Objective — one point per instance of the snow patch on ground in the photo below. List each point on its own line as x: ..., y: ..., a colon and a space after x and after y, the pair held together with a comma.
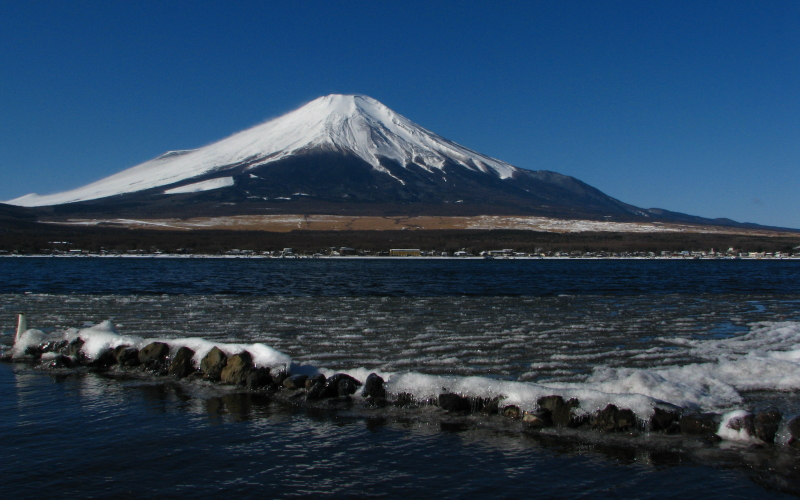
x: 333, y: 222
x: 197, y: 187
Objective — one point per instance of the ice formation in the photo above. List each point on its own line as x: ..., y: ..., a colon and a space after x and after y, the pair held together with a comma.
x: 766, y: 358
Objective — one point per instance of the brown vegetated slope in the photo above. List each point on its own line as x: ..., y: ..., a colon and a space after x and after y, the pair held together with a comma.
x: 315, y: 222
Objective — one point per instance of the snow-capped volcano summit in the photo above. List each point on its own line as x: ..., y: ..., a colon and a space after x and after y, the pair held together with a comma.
x: 353, y: 124
x: 337, y: 154
x: 366, y: 128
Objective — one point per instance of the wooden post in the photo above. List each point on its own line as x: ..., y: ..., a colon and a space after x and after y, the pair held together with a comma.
x: 22, y: 326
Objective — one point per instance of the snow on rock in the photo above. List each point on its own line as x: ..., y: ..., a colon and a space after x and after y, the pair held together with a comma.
x: 522, y: 394
x: 356, y: 124
x: 28, y: 338
x: 103, y: 337
x: 766, y: 358
x: 208, y: 185
x: 733, y: 427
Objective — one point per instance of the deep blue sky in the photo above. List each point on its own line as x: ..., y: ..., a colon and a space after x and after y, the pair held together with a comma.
x: 689, y: 106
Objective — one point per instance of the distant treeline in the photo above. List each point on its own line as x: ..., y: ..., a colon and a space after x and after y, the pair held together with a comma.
x: 43, y: 238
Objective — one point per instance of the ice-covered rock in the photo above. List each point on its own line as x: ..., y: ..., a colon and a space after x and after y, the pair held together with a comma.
x: 738, y: 425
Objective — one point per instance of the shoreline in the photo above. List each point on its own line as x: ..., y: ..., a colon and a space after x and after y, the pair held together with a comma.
x: 375, y: 257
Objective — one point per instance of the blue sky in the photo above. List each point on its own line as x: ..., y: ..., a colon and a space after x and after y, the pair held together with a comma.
x: 689, y: 106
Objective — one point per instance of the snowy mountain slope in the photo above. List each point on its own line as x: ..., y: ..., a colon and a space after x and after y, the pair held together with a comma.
x: 354, y: 125
x: 337, y: 155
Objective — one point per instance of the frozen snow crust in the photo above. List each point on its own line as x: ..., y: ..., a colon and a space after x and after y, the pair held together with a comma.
x: 356, y: 124
x: 700, y: 398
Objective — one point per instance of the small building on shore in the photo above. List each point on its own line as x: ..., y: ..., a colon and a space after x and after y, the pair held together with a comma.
x: 405, y: 252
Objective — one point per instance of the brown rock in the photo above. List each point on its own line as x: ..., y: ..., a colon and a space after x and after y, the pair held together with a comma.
x: 237, y: 369
x: 56, y: 346
x: 794, y: 432
x: 512, y: 411
x: 60, y: 361
x: 534, y: 421
x: 746, y: 422
x: 612, y: 419
x: 491, y: 406
x: 699, y: 423
x: 278, y: 377
x: 561, y: 411
x: 665, y: 421
x: 74, y: 347
x: 373, y: 387
x: 127, y: 356
x: 213, y: 363
x: 258, y: 378
x: 154, y: 356
x: 453, y: 402
x: 337, y: 385
x: 315, y: 380
x: 102, y: 362
x: 766, y: 424
x: 295, y: 382
x: 182, y: 365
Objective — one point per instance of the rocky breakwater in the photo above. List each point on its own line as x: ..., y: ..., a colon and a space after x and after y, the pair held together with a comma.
x: 258, y: 368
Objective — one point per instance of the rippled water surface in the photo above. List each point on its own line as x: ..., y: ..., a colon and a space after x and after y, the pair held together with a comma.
x: 86, y: 435
x: 515, y: 338
x: 396, y: 277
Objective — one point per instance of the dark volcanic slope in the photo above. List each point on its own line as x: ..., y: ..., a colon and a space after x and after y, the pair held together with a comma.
x: 12, y: 217
x: 336, y: 183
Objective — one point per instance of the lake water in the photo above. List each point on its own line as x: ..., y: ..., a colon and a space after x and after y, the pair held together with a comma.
x: 712, y: 335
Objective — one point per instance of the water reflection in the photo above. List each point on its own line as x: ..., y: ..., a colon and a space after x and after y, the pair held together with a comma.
x: 239, y: 407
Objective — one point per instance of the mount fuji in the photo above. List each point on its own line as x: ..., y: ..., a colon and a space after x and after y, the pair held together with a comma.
x: 339, y: 154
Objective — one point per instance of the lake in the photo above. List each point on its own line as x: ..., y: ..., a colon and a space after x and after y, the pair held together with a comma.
x: 710, y: 335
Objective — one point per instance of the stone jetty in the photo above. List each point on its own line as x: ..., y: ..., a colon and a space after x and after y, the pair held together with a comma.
x: 157, y: 359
